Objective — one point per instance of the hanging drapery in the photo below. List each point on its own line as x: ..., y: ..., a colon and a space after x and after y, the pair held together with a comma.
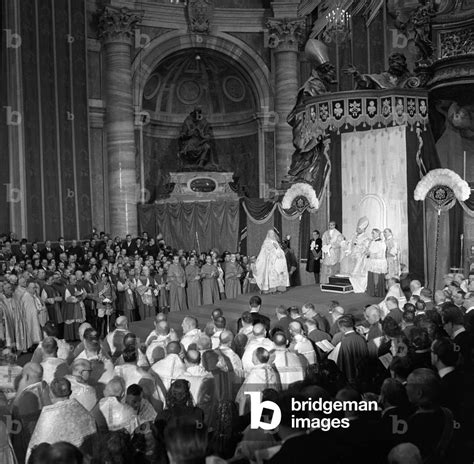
x: 468, y: 205
x: 233, y: 226
x: 215, y: 223
x: 364, y: 119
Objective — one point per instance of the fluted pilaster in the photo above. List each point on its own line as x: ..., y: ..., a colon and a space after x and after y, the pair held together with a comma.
x: 285, y: 36
x: 116, y: 29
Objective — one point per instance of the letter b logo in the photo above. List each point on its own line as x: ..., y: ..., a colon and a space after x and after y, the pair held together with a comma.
x: 256, y: 409
x: 399, y: 426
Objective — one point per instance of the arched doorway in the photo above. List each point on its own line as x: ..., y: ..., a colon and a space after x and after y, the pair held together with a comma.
x: 228, y: 80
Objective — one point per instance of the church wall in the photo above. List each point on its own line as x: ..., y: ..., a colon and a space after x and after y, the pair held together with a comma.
x: 4, y: 130
x: 53, y: 144
x: 257, y: 42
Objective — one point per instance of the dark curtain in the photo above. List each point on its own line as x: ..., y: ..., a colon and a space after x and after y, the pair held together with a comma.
x: 146, y: 219
x: 456, y: 229
x: 277, y: 223
x: 305, y: 234
x: 243, y: 229
x: 416, y: 221
x: 194, y: 225
x: 470, y: 201
x: 258, y: 208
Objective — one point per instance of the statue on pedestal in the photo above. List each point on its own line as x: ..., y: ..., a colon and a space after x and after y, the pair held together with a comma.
x: 195, y: 143
x: 309, y: 163
x: 397, y: 75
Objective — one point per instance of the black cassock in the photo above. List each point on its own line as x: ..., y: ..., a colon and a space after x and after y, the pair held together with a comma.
x: 353, y: 350
x: 313, y: 262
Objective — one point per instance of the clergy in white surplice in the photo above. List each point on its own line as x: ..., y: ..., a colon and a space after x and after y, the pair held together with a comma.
x: 330, y: 263
x: 358, y: 256
x: 392, y: 254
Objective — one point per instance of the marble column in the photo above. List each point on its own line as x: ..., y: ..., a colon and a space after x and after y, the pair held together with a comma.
x: 116, y: 30
x: 285, y: 36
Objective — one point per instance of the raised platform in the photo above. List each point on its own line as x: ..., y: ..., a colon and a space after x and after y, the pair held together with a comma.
x: 192, y: 186
x: 233, y: 309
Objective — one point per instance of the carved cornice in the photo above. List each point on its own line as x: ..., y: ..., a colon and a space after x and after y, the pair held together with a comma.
x: 173, y: 16
x: 118, y: 24
x: 286, y: 33
x: 455, y: 70
x: 451, y: 12
x: 455, y: 43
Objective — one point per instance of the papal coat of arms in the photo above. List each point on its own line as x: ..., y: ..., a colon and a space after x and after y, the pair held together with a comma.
x: 200, y: 13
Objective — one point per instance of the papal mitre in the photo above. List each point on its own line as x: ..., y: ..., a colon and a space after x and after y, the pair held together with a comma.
x: 363, y: 223
x: 316, y: 51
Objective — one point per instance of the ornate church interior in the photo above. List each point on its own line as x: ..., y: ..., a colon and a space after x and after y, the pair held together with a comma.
x: 170, y: 156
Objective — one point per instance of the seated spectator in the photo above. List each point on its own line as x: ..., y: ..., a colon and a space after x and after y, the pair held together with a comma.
x: 65, y: 350
x: 309, y: 311
x: 300, y: 344
x: 261, y: 376
x: 81, y: 391
x: 201, y: 382
x: 53, y: 367
x: 405, y: 453
x: 116, y: 447
x: 287, y: 364
x: 57, y: 453
x: 220, y: 325
x: 170, y: 367
x: 185, y: 441
x: 65, y: 420
x: 142, y: 407
x: 430, y: 428
x: 153, y: 388
x: 191, y: 333
x: 179, y: 405
x: 453, y: 324
x: 282, y: 322
x: 32, y: 395
x: 110, y: 413
x: 114, y: 339
x: 259, y: 340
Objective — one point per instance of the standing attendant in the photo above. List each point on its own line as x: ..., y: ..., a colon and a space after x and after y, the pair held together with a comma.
x: 376, y: 265
x: 313, y: 263
x: 177, y: 283
x: 74, y: 310
x: 162, y: 299
x: 105, y: 298
x: 392, y: 254
x: 146, y: 291
x: 233, y: 272
x: 331, y: 248
x: 125, y: 297
x: 210, y: 289
x: 193, y: 279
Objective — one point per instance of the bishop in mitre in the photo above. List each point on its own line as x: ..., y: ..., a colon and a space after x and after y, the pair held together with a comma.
x: 358, y: 256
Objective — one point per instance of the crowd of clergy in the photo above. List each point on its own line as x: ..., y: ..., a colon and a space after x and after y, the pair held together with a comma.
x: 181, y: 395
x: 99, y: 278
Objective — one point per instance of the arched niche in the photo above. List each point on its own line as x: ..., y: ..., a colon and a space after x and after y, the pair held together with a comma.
x: 238, y: 105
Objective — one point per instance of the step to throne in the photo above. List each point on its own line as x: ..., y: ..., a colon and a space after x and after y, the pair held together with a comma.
x: 338, y: 284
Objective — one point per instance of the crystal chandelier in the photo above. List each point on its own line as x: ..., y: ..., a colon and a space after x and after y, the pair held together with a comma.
x: 338, y: 24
